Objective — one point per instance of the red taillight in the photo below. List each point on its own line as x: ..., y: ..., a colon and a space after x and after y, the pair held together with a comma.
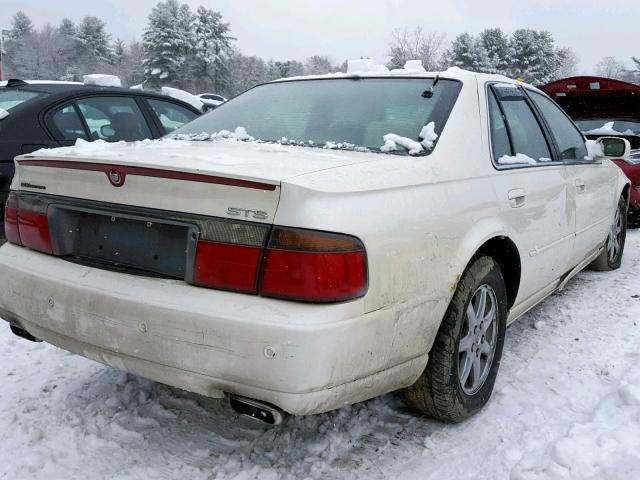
x: 295, y: 264
x: 11, y: 231
x: 26, y: 222
x: 228, y: 267
x: 34, y: 230
x: 313, y: 266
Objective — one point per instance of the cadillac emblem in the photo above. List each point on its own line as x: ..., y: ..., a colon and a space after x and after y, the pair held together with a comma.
x: 116, y: 178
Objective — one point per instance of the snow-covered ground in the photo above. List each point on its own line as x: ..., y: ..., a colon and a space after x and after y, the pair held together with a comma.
x: 566, y: 405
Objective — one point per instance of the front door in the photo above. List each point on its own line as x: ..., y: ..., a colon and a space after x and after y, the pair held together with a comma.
x: 590, y: 181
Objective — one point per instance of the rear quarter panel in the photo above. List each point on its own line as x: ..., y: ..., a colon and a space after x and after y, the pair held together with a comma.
x: 421, y: 218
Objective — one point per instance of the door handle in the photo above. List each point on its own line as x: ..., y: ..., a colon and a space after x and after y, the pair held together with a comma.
x: 580, y: 186
x: 517, y: 196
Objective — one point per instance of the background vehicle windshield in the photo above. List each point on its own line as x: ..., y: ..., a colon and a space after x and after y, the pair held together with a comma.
x: 619, y: 126
x: 358, y: 112
x: 10, y: 97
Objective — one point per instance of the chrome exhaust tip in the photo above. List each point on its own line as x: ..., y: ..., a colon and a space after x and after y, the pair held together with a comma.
x: 257, y: 410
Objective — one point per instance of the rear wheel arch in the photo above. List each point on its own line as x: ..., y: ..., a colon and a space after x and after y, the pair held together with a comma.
x: 626, y: 191
x: 504, y: 251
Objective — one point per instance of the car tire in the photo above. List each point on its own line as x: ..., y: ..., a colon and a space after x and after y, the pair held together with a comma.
x: 441, y: 391
x: 611, y: 256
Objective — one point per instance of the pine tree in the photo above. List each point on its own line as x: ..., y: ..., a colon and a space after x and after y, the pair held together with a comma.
x: 95, y: 41
x: 67, y: 28
x: 468, y: 52
x: 496, y: 44
x: 212, y: 50
x: 70, y: 49
x: 534, y: 56
x: 168, y: 43
x: 21, y: 26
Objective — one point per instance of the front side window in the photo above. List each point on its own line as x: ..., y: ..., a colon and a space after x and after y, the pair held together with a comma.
x: 171, y: 116
x: 527, y: 143
x: 569, y: 140
x: 66, y: 124
x: 358, y: 112
x: 114, y: 119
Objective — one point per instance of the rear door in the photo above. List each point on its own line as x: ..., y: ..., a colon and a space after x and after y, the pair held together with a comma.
x: 110, y: 118
x: 532, y: 188
x: 590, y: 181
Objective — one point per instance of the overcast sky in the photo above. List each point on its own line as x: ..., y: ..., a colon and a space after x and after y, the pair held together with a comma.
x: 354, y: 28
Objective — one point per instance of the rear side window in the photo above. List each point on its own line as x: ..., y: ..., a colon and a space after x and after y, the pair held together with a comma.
x: 171, y: 116
x: 67, y: 124
x: 114, y: 119
x: 527, y: 143
x: 10, y: 97
x: 570, y: 141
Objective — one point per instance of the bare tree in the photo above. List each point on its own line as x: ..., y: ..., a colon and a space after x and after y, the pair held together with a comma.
x: 567, y: 63
x: 415, y: 44
x: 610, y: 67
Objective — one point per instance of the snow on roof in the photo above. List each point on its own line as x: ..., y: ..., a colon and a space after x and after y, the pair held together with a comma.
x: 102, y: 80
x: 3, y: 113
x: 184, y: 96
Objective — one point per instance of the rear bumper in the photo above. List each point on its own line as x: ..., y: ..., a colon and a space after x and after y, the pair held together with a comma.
x: 302, y: 358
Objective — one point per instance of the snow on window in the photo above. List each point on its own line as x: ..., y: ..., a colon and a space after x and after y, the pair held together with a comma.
x: 518, y: 159
x: 137, y: 87
x: 102, y: 80
x: 3, y: 113
x: 428, y: 135
x: 391, y: 142
x: 241, y: 134
x: 184, y: 96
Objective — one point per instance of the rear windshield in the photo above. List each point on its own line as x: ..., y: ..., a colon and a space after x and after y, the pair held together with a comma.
x: 347, y: 111
x: 623, y: 127
x: 10, y: 97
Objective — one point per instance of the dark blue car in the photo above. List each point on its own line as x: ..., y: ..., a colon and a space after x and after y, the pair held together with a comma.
x: 35, y: 115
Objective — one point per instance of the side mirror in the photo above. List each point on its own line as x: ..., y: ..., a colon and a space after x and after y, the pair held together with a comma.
x: 107, y: 131
x: 615, y: 147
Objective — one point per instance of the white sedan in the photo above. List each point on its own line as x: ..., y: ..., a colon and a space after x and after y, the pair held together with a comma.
x: 380, y: 235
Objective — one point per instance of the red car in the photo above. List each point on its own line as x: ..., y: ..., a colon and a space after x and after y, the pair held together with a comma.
x: 606, y: 107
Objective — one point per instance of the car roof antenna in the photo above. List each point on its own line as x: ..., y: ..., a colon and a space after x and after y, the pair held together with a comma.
x: 428, y: 93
